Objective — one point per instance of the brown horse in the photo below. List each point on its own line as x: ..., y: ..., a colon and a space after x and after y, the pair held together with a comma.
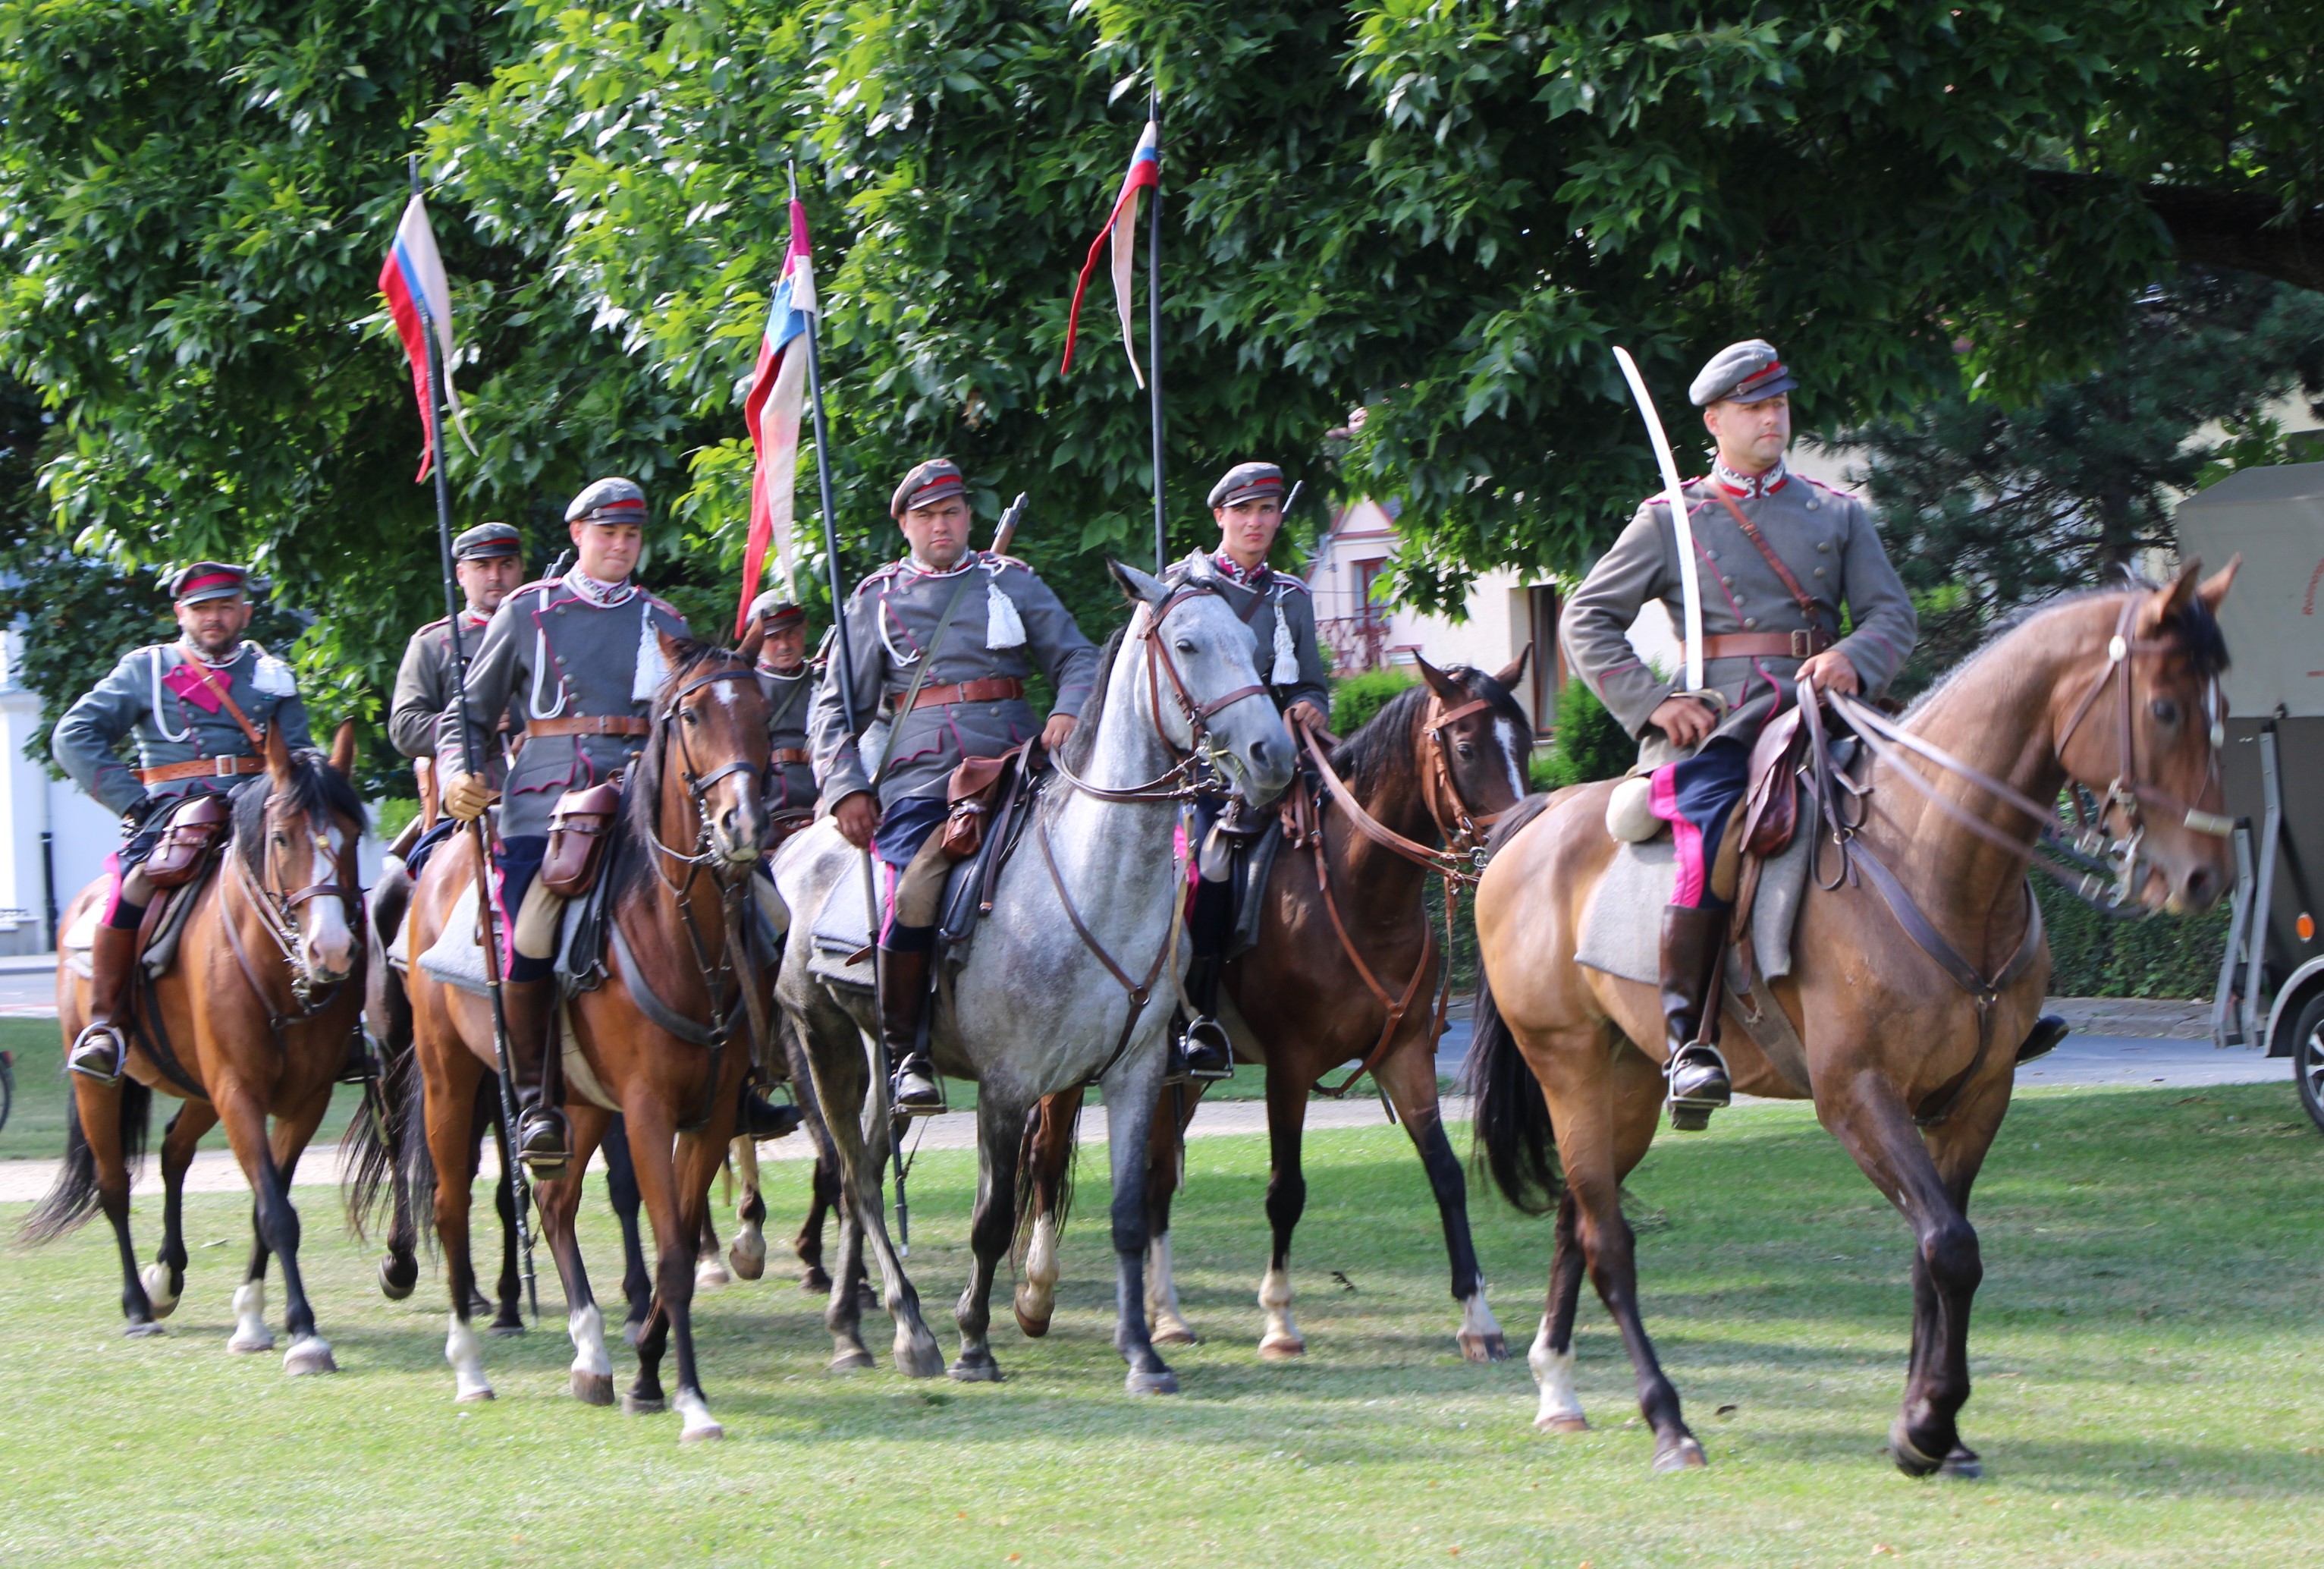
x: 679, y: 868
x: 253, y: 1020
x: 1345, y: 969
x: 1909, y: 1067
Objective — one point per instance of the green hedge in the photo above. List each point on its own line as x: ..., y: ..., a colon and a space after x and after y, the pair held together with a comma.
x: 2162, y: 956
x: 1356, y: 698
x: 1587, y: 744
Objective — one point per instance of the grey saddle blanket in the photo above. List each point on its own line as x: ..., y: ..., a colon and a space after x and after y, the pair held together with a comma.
x: 841, y: 931
x: 162, y: 951
x: 457, y: 959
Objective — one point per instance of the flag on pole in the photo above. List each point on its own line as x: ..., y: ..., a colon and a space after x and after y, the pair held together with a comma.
x: 419, y: 296
x: 772, y: 412
x: 1122, y: 224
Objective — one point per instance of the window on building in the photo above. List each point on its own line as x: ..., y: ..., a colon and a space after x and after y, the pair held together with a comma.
x: 1548, y: 659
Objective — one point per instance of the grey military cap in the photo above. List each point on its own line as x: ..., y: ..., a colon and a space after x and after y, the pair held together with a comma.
x: 1743, y: 373
x: 777, y: 609
x: 927, y: 484
x: 211, y: 580
x: 1248, y: 482
x: 487, y: 541
x: 609, y: 501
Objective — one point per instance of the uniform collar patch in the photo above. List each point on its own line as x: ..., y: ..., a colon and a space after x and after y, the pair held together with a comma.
x: 918, y: 568
x: 1233, y: 571
x: 604, y: 595
x: 1751, y: 486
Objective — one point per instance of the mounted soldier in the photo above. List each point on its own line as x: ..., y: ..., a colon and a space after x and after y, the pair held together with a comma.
x: 949, y: 634
x: 1779, y: 557
x: 1248, y: 505
x: 200, y: 709
x: 788, y: 681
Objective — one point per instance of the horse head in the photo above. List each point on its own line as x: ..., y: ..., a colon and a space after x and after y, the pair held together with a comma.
x: 299, y: 845
x: 710, y: 753
x: 1473, y: 742
x: 1204, y: 687
x: 2146, y: 736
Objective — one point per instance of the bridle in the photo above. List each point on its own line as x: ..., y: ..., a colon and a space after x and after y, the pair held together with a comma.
x: 277, y: 915
x: 698, y: 785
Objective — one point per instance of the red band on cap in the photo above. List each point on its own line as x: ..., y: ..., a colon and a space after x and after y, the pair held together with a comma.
x: 1756, y: 378
x: 210, y: 580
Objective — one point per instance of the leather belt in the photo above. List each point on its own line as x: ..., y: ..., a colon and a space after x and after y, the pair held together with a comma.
x: 791, y: 754
x: 996, y: 689
x: 1766, y: 645
x: 589, y: 725
x: 200, y: 768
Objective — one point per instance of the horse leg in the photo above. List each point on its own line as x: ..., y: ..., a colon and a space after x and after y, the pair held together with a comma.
x: 164, y: 1279
x: 276, y: 1222
x: 592, y: 1373
x: 99, y: 1107
x: 1165, y: 1154
x: 449, y: 1120
x: 748, y: 1256
x: 399, y: 1268
x: 699, y: 1158
x: 509, y: 1317
x: 709, y: 1270
x: 1286, y: 1198
x: 1551, y: 1360
x: 1132, y: 1085
x: 1000, y: 1140
x: 808, y: 1244
x: 1408, y: 1076
x: 622, y: 1189
x: 1050, y: 1146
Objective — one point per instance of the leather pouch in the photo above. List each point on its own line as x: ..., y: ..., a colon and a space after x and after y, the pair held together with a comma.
x: 185, y: 845
x: 577, y: 831
x: 971, y: 791
x: 1772, y: 814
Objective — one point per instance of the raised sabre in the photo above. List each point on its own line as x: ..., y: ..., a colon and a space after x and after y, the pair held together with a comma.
x: 1674, y: 495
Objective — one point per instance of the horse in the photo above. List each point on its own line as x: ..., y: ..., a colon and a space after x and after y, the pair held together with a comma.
x: 1342, y: 927
x: 679, y: 961
x: 1058, y: 988
x: 1905, y: 978
x: 253, y: 1020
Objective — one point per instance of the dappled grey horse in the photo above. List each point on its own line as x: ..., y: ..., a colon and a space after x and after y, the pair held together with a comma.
x: 1072, y: 976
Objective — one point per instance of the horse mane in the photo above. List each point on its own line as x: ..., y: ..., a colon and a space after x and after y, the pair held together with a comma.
x: 1083, y: 740
x: 315, y: 788
x: 2194, y: 631
x: 641, y: 789
x: 1382, y: 744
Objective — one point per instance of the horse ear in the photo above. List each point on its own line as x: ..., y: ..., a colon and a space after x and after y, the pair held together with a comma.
x: 2215, y: 588
x: 2165, y: 605
x: 1443, y: 685
x: 342, y: 748
x: 278, y: 756
x: 1138, y: 585
x: 1510, y: 674
x: 673, y: 650
x: 747, y: 650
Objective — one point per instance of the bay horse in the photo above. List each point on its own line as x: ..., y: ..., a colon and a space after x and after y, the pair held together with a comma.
x: 1071, y: 975
x: 252, y: 1020
x: 1346, y: 969
x: 1913, y: 983
x: 678, y: 866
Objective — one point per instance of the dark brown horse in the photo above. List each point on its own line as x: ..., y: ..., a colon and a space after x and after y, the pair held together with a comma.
x: 1346, y: 969
x: 1914, y: 981
x: 679, y: 869
x: 252, y: 1020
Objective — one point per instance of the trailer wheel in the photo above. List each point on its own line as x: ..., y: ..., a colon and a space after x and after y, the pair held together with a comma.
x: 2307, y: 1057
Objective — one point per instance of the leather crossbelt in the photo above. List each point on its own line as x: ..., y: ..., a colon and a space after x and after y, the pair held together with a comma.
x: 997, y: 689
x: 589, y: 725
x: 789, y: 755
x: 200, y: 768
x: 1766, y: 645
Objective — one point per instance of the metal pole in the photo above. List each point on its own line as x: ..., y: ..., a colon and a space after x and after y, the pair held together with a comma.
x: 519, y: 1189
x: 1154, y: 336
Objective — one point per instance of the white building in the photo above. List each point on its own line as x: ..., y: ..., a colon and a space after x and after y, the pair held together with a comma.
x: 53, y: 839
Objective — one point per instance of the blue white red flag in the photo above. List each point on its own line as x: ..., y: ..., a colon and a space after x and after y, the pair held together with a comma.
x: 1121, y: 227
x: 772, y: 412
x: 419, y: 297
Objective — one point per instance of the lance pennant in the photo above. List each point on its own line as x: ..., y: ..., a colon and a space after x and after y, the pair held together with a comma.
x: 772, y: 412
x: 1122, y: 228
x: 419, y: 297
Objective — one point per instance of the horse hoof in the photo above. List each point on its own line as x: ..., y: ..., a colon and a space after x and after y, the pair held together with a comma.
x: 643, y: 1405
x: 976, y: 1367
x: 631, y: 1330
x: 702, y: 1432
x: 1484, y: 1348
x: 1282, y: 1348
x: 505, y: 1330
x: 747, y: 1265
x: 310, y: 1355
x: 249, y: 1345
x: 1164, y: 1382
x: 397, y: 1277
x: 1910, y: 1458
x: 1175, y: 1333
x: 1685, y: 1455
x: 472, y: 1396
x: 710, y: 1274
x: 1962, y: 1465
x: 1564, y: 1423
x: 851, y: 1359
x: 156, y: 1279
x: 144, y: 1329
x: 918, y: 1356
x: 1031, y: 1328
x: 817, y: 1281
x: 696, y: 1425
x: 593, y: 1388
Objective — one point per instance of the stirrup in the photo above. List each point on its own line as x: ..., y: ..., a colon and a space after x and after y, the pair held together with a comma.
x: 544, y: 1165
x: 1206, y: 1037
x: 925, y: 1099
x: 1690, y: 1112
x: 82, y: 1059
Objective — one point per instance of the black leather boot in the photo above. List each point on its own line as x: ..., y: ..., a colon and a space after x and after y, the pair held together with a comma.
x: 760, y: 1118
x: 903, y: 1009
x: 1205, y: 1049
x: 102, y: 1048
x: 542, y: 1140
x: 2043, y: 1039
x: 1691, y: 946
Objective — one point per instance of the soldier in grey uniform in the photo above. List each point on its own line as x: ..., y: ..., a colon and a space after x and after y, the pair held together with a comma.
x: 578, y: 659
x: 1778, y: 556
x: 1004, y: 624
x: 1248, y: 505
x: 489, y: 560
x: 200, y: 708
x: 788, y: 681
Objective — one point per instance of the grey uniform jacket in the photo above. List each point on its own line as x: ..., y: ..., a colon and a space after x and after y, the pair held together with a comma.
x: 1266, y: 599
x: 549, y: 653
x: 789, y: 698
x: 423, y: 689
x: 1826, y: 540
x: 155, y: 694
x: 1009, y: 624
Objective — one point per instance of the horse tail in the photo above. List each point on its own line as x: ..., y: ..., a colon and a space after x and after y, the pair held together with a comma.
x: 412, y: 1150
x: 69, y: 1204
x: 374, y: 1142
x: 1029, y: 1184
x: 1513, y: 1141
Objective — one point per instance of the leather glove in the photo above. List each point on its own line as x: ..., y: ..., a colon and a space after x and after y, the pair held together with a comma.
x: 466, y: 797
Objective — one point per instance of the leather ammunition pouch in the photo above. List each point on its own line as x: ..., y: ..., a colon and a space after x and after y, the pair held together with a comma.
x: 195, y: 829
x: 974, y: 786
x: 1771, y: 812
x: 577, y: 831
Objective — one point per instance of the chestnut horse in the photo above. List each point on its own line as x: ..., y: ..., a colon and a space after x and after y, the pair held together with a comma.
x: 1910, y: 1068
x: 253, y: 1020
x: 1346, y: 969
x: 679, y: 865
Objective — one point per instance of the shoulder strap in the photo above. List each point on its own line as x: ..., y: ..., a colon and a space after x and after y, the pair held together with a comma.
x: 1800, y: 596
x: 224, y: 691
x: 919, y: 676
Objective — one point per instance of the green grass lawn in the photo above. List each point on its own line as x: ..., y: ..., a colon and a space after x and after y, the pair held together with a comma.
x: 2150, y: 1387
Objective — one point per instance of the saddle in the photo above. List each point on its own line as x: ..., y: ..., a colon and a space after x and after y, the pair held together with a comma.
x: 183, y: 861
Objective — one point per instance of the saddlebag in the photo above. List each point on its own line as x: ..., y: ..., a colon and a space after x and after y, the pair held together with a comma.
x: 577, y: 831
x: 973, y: 787
x: 195, y: 829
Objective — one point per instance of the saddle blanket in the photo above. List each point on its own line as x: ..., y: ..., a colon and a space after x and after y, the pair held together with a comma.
x: 1621, y: 929
x: 162, y: 949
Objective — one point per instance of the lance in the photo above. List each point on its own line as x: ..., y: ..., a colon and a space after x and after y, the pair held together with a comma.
x: 1675, y: 496
x: 1153, y: 333
x: 519, y: 1189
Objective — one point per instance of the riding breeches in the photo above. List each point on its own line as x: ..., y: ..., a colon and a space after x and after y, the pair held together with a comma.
x: 530, y: 915
x: 914, y: 864
x: 1696, y: 796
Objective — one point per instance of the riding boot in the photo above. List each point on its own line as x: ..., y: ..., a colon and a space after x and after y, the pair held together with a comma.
x: 903, y: 1012
x: 2043, y: 1038
x: 358, y: 1066
x: 102, y: 1050
x: 1205, y: 1049
x: 760, y: 1118
x: 541, y: 1140
x: 1698, y: 1078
